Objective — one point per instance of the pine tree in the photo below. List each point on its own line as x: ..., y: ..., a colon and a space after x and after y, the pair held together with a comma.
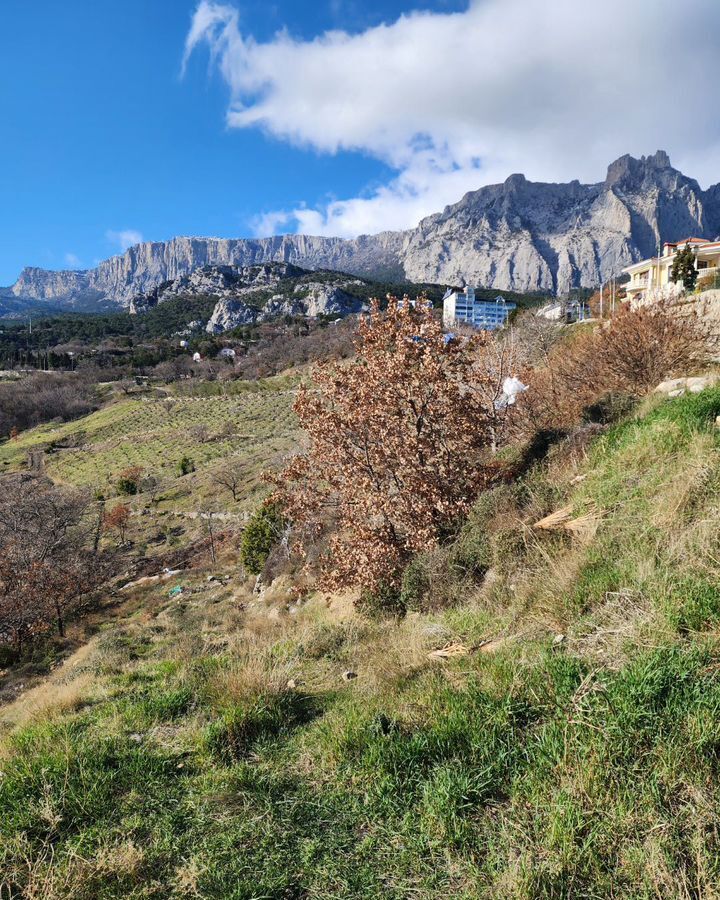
x: 683, y: 268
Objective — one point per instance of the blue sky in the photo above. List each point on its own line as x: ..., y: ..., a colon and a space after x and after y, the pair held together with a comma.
x: 99, y: 134
x: 333, y: 116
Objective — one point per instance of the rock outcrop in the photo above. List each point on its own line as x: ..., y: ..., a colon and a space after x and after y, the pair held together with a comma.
x: 526, y: 236
x: 250, y: 294
x: 326, y: 300
x: 519, y: 235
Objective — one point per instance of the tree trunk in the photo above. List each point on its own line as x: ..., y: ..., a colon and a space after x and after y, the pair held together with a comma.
x: 98, y: 529
x: 60, y: 622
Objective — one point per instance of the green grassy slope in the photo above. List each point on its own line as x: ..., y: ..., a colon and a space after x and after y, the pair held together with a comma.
x: 251, y: 427
x: 175, y: 760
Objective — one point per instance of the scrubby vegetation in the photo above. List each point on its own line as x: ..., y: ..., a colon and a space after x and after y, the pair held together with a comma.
x: 42, y: 398
x: 517, y: 767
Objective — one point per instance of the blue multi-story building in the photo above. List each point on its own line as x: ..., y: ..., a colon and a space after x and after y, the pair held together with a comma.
x: 463, y: 308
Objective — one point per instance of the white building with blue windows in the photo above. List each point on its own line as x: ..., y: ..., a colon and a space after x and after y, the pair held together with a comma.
x: 463, y: 308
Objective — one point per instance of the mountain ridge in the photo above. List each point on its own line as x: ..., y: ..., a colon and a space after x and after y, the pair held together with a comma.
x: 517, y: 235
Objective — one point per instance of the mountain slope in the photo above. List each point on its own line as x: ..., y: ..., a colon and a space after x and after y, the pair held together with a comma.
x: 207, y: 744
x: 519, y: 236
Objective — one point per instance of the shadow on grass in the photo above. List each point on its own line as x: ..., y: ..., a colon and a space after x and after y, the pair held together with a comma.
x: 268, y: 717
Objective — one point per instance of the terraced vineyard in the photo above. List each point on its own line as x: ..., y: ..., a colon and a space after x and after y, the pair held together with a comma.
x: 254, y: 429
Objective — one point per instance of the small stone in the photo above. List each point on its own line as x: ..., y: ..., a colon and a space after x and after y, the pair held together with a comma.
x: 137, y: 738
x: 292, y: 684
x: 558, y: 639
x: 349, y: 675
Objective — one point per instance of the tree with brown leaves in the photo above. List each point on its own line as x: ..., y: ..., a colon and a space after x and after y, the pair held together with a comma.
x: 399, y: 446
x: 117, y: 519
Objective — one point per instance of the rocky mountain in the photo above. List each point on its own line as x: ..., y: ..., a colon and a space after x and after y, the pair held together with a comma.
x: 527, y: 236
x: 518, y: 235
x: 251, y: 294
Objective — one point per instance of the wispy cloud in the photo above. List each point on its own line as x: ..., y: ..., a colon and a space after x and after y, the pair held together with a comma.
x: 73, y: 261
x: 124, y: 238
x: 551, y: 88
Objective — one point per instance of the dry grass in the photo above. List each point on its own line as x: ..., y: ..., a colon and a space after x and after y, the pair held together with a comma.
x: 67, y: 689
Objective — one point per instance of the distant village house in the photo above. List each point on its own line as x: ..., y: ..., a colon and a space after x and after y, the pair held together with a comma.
x: 566, y: 311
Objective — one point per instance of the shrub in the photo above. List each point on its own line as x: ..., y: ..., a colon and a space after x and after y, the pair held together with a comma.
x: 415, y: 586
x: 126, y: 486
x: 707, y: 283
x: 129, y: 481
x: 186, y: 466
x: 626, y: 358
x: 382, y: 602
x: 262, y: 532
x: 508, y: 548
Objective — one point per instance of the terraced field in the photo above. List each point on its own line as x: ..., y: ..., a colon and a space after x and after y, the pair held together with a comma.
x: 254, y: 429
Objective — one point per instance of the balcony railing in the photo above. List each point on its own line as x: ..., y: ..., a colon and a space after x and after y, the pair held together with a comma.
x: 709, y: 279
x: 711, y: 271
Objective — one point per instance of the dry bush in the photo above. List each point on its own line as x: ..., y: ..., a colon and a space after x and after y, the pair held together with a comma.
x: 282, y: 347
x: 629, y: 356
x: 44, y: 397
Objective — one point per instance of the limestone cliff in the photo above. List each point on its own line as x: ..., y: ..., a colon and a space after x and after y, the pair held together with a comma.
x: 519, y: 235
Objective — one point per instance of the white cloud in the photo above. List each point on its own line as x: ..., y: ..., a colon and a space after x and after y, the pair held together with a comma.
x: 124, y: 238
x: 552, y: 88
x: 72, y: 260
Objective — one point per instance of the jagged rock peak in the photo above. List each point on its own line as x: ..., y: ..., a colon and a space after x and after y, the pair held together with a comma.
x: 628, y: 167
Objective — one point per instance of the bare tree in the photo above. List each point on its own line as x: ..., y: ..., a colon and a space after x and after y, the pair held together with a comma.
x: 47, y: 563
x: 200, y: 433
x: 231, y: 476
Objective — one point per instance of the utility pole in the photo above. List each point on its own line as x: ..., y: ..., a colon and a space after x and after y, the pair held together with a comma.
x: 602, y: 285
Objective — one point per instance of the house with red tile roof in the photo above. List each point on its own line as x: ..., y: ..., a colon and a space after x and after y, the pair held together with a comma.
x: 654, y: 274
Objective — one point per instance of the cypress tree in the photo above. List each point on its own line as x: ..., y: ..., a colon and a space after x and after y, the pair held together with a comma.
x: 683, y: 268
